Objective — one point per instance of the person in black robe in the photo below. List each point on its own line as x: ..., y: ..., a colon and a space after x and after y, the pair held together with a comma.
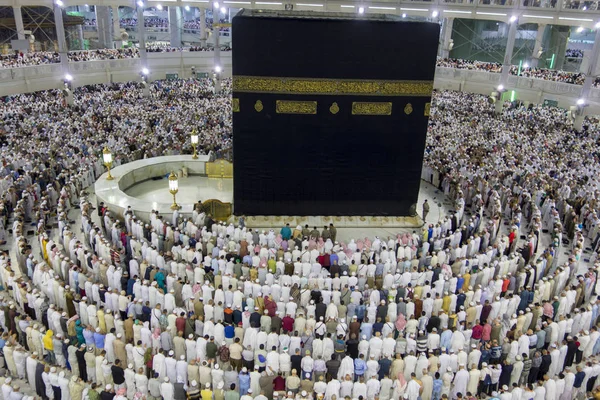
x: 40, y: 385
x: 545, y: 366
x: 352, y: 346
x: 81, y: 362
x: 505, y: 374
x: 571, y: 350
x: 320, y: 309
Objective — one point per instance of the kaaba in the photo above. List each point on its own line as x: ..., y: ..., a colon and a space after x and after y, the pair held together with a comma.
x: 330, y: 112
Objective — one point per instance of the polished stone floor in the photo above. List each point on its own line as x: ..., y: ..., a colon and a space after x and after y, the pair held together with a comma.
x: 191, y: 189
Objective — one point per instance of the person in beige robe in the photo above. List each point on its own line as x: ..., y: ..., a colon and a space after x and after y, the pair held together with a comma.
x: 119, y: 349
x: 427, y: 384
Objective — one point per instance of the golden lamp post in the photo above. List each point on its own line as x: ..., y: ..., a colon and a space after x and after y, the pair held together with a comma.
x: 107, y: 158
x: 173, y: 189
x: 194, y: 139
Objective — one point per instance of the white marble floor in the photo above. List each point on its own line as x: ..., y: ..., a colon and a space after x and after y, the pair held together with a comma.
x: 191, y: 189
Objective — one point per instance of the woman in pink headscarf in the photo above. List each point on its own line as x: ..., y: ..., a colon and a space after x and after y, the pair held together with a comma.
x: 278, y: 241
x: 360, y: 245
x: 400, y: 323
x: 156, y: 340
x: 367, y: 244
x: 405, y: 239
x: 400, y: 385
x: 121, y: 394
x: 320, y: 245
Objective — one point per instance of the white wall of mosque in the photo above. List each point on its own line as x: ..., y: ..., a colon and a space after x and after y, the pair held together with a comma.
x: 43, y: 77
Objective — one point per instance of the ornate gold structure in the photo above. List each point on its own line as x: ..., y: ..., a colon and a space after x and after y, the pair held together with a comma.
x: 371, y: 108
x: 295, y: 107
x: 194, y: 140
x: 334, y: 109
x: 427, y: 108
x: 258, y: 106
x: 219, y: 210
x: 356, y: 87
x: 173, y: 189
x: 108, y: 160
x: 408, y: 109
x: 220, y: 168
x: 235, y: 105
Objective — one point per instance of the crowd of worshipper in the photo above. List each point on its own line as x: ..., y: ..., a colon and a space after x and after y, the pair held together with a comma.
x: 19, y: 59
x: 104, y: 54
x: 581, y: 5
x: 497, y: 299
x: 576, y: 78
x: 574, y: 53
x: 167, y: 48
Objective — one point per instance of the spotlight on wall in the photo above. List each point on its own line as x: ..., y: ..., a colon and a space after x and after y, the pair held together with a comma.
x: 223, y: 10
x: 404, y: 15
x: 218, y: 69
x: 68, y: 78
x: 500, y: 88
x: 361, y: 10
x: 145, y: 71
x: 216, y: 4
x: 159, y: 7
x: 580, y: 29
x: 597, y: 26
x: 140, y: 3
x: 59, y: 3
x: 525, y: 65
x: 513, y: 19
x: 580, y: 102
x: 187, y: 8
x: 435, y: 14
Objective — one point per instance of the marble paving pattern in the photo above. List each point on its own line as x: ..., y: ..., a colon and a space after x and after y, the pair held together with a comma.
x: 191, y: 189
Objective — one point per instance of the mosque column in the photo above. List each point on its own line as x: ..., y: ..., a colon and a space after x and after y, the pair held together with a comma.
x: 116, y: 21
x: 217, y: 51
x: 537, y: 47
x: 142, y: 34
x: 591, y: 73
x: 506, y: 65
x: 80, y: 37
x: 216, y: 33
x: 104, y: 26
x: 18, y: 15
x: 175, y: 25
x: 447, y: 25
x: 203, y: 27
x: 61, y: 38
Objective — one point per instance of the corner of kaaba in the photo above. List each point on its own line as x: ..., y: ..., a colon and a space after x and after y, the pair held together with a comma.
x: 330, y: 112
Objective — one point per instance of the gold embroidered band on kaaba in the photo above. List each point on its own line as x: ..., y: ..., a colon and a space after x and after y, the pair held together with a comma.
x: 316, y: 86
x: 295, y: 107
